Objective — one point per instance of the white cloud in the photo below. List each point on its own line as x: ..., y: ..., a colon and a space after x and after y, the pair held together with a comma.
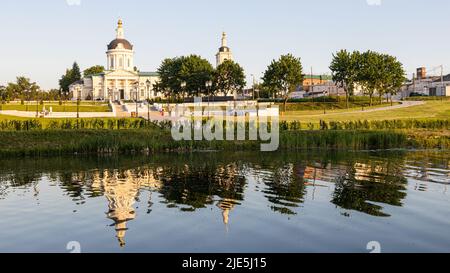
x: 73, y: 2
x: 374, y: 2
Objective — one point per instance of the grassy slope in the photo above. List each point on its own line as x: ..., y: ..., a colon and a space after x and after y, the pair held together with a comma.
x: 430, y: 110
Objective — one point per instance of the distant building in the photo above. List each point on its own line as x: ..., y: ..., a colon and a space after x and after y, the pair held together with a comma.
x: 425, y: 85
x: 313, y: 80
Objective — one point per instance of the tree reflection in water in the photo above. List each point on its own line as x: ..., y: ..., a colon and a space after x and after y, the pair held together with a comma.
x: 371, y: 181
x: 189, y: 183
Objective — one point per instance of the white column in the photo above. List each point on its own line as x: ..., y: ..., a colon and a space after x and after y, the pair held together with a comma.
x: 126, y: 90
x: 116, y: 90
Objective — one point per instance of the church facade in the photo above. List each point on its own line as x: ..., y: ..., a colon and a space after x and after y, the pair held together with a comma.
x: 121, y: 80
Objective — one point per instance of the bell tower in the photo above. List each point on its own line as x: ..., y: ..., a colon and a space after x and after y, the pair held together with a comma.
x: 224, y: 51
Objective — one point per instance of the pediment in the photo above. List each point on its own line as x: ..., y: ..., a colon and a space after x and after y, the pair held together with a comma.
x: 121, y: 73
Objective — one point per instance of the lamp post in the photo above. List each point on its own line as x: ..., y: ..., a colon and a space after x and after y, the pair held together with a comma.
x: 208, y: 90
x: 254, y: 85
x: 78, y: 101
x: 136, y: 98
x: 183, y: 88
x: 149, y: 84
x: 28, y: 100
x: 37, y: 103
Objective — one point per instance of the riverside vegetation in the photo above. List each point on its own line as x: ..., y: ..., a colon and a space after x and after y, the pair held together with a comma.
x: 68, y: 136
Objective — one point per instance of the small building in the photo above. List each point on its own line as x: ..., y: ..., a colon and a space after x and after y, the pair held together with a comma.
x: 313, y: 80
x: 424, y: 85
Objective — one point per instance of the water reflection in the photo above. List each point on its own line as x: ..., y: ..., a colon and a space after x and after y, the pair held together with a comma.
x: 362, y: 183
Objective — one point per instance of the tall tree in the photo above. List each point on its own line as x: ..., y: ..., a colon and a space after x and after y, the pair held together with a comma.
x: 196, y: 72
x: 345, y: 67
x: 229, y: 77
x: 170, y: 77
x: 3, y: 93
x: 394, y: 76
x: 76, y: 72
x: 23, y: 88
x: 96, y: 69
x: 283, y: 76
x: 371, y: 73
x: 72, y: 75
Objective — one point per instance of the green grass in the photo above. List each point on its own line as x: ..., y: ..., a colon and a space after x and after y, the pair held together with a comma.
x: 334, y: 107
x: 60, y: 142
x: 69, y: 107
x: 430, y: 110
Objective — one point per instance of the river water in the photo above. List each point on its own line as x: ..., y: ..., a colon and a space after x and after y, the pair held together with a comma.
x: 295, y: 202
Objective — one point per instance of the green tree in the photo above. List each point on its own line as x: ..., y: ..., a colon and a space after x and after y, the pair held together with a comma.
x: 196, y: 72
x: 372, y: 74
x: 76, y: 72
x: 72, y: 75
x: 23, y: 88
x: 170, y: 77
x: 229, y: 77
x: 283, y: 76
x: 345, y: 67
x: 96, y: 69
x: 192, y: 70
x: 3, y: 93
x: 394, y: 76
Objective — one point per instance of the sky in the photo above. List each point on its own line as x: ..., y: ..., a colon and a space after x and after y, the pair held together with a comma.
x: 41, y: 38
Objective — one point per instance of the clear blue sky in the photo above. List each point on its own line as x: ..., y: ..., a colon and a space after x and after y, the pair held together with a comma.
x: 40, y: 39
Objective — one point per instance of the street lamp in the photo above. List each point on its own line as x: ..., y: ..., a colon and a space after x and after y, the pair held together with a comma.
x: 254, y: 86
x: 149, y: 84
x: 37, y: 103
x: 78, y: 101
x: 28, y: 100
x: 136, y: 98
x: 183, y: 88
x: 208, y: 90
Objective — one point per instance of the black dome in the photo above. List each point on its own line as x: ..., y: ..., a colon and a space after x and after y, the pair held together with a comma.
x: 116, y: 42
x: 224, y: 49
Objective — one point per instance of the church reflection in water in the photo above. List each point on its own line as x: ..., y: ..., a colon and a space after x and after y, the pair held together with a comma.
x: 121, y: 189
x: 362, y: 185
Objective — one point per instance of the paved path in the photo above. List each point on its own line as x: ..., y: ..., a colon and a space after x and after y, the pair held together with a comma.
x: 24, y: 114
x: 154, y: 115
x: 120, y: 111
x: 403, y: 104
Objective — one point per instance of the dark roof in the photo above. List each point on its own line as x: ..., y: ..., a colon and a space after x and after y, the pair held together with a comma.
x: 446, y: 78
x: 224, y: 49
x: 77, y: 82
x: 149, y: 74
x: 126, y: 44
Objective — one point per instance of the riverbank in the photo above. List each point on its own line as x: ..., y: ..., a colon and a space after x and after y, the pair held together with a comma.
x: 65, y: 142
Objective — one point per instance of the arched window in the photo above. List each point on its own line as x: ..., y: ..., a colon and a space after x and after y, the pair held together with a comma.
x: 129, y: 63
x: 112, y: 62
x: 120, y: 62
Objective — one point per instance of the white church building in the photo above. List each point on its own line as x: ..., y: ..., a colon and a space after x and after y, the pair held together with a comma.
x: 121, y: 80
